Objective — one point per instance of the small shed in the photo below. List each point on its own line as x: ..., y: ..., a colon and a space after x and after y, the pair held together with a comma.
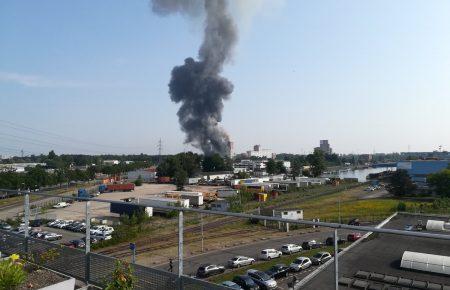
x: 220, y: 205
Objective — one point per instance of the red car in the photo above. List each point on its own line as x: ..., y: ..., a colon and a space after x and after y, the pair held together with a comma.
x: 354, y: 237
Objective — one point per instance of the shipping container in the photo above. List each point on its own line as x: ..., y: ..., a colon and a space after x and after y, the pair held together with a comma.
x: 163, y: 201
x: 120, y: 187
x: 227, y: 192
x: 164, y: 179
x: 102, y: 188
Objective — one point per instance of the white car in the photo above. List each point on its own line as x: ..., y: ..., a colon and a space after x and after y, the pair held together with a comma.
x: 61, y: 204
x: 268, y: 254
x: 52, y: 237
x: 239, y: 261
x: 301, y: 263
x: 290, y: 248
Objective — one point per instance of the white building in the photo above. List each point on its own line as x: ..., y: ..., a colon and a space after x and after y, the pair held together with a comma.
x: 260, y: 153
x: 111, y: 162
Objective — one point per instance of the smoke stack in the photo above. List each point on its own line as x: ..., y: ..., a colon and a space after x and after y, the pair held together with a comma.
x: 197, y: 84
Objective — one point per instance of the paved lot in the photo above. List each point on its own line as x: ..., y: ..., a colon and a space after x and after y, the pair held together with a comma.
x: 252, y: 250
x: 382, y: 254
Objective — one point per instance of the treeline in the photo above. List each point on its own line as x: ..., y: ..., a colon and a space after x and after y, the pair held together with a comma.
x: 191, y: 164
x: 64, y: 160
x: 63, y: 170
x: 37, y: 177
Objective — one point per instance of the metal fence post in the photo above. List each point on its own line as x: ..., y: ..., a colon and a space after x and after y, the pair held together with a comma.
x: 203, y: 237
x: 180, y: 243
x: 336, y: 262
x: 27, y: 222
x: 88, y: 242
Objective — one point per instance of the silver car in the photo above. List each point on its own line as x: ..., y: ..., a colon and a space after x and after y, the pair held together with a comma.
x: 263, y: 280
x: 301, y: 263
x: 239, y: 261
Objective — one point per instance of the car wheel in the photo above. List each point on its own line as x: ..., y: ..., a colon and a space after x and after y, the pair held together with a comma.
x: 251, y: 263
x: 269, y: 258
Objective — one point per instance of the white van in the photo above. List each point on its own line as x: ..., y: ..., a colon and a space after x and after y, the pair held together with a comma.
x: 268, y: 254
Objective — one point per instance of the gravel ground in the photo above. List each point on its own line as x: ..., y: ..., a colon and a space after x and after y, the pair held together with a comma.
x: 41, y: 278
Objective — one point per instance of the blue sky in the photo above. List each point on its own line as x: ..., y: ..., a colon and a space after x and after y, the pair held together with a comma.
x: 367, y: 75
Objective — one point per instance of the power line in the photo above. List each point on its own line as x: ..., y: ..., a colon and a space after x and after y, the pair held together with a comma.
x: 31, y: 130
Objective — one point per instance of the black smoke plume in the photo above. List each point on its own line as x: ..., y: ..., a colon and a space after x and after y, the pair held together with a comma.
x: 197, y: 84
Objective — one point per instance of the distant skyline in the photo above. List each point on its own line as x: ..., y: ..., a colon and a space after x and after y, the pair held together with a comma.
x: 91, y: 76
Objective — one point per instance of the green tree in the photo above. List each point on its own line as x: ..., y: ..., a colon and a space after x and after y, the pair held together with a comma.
x: 280, y: 168
x: 180, y: 179
x: 271, y: 167
x: 317, y: 162
x: 296, y: 168
x: 400, y: 183
x: 214, y: 163
x: 440, y: 182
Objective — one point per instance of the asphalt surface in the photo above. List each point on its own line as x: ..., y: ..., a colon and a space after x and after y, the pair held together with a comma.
x: 382, y: 254
x: 221, y: 257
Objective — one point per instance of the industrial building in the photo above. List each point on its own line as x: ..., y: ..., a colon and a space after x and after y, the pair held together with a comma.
x: 418, y: 170
x: 146, y: 175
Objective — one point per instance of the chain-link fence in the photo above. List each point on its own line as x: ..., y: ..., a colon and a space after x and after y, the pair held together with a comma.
x: 93, y: 268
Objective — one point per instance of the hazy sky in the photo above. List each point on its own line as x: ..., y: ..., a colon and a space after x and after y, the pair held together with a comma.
x: 367, y: 75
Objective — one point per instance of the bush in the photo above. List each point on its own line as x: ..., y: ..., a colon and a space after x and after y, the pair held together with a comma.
x: 12, y: 273
x: 122, y: 278
x: 401, y: 206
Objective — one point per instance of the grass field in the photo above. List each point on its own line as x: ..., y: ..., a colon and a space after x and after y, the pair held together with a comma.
x: 350, y: 204
x: 265, y: 265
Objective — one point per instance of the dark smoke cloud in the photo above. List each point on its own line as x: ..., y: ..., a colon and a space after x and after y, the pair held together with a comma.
x: 197, y: 85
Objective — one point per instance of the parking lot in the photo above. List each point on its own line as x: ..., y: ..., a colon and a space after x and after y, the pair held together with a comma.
x: 382, y: 254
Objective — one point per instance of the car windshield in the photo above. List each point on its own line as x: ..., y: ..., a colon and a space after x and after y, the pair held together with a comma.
x: 263, y: 276
x: 235, y: 259
x: 318, y: 255
x: 298, y: 261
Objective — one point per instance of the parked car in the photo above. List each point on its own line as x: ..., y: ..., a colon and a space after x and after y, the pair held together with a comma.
x: 330, y: 241
x: 311, y: 245
x: 290, y: 248
x: 239, y: 261
x: 354, y: 222
x: 245, y: 282
x: 52, y: 237
x: 268, y: 254
x: 231, y: 285
x: 61, y: 204
x: 354, y: 237
x: 320, y: 258
x: 36, y: 223
x: 5, y: 226
x: 263, y: 280
x: 92, y: 239
x: 301, y: 263
x: 209, y: 270
x: 278, y: 271
x: 75, y: 244
x: 409, y: 228
x: 102, y: 236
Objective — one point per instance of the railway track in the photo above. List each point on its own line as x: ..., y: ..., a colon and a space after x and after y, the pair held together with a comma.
x: 163, y: 241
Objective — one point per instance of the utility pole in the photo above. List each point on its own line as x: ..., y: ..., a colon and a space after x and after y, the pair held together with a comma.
x: 159, y: 150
